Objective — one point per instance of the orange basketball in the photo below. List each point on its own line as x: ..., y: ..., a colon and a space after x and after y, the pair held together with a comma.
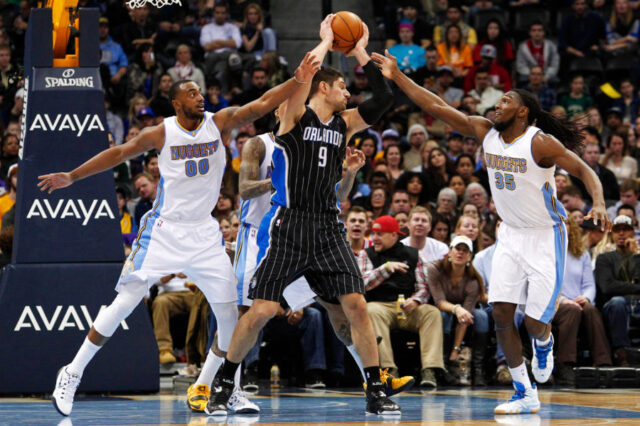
x: 347, y: 30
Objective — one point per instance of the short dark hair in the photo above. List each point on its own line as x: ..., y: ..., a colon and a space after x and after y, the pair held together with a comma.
x: 629, y: 185
x: 149, y: 156
x: 328, y: 75
x: 257, y: 69
x: 536, y: 22
x: 175, y: 88
x: 570, y: 190
x: 242, y: 135
x: 219, y: 3
x: 592, y: 131
x: 625, y: 206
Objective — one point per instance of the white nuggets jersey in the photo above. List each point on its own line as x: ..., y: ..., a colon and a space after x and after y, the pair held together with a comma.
x: 523, y: 192
x: 253, y: 210
x: 191, y: 168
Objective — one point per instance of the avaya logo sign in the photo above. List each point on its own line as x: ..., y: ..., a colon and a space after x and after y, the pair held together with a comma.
x: 62, y: 122
x: 76, y: 209
x: 37, y: 319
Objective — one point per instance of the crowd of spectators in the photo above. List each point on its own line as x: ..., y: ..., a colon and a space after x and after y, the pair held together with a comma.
x: 421, y: 179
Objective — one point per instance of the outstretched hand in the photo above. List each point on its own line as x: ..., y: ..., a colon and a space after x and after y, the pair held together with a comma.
x: 387, y: 64
x: 354, y: 159
x: 54, y: 181
x: 307, y: 68
x: 599, y: 215
x: 326, y: 32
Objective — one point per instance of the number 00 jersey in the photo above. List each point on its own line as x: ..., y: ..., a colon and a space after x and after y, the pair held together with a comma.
x: 307, y: 164
x: 523, y: 192
x: 191, y: 167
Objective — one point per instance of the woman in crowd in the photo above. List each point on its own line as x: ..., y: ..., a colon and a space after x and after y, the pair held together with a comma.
x: 413, y: 183
x: 617, y: 159
x: 394, y: 158
x: 495, y: 35
x: 256, y: 38
x: 136, y: 103
x: 469, y: 226
x: 276, y: 72
x: 465, y: 166
x: 457, y: 184
x: 440, y: 229
x: 368, y: 147
x: 438, y: 173
x: 144, y: 71
x: 379, y: 202
x: 455, y: 52
x: 456, y: 287
x: 622, y: 28
x: 425, y: 152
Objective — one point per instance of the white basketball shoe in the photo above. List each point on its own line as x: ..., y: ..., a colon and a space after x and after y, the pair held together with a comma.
x: 542, y: 362
x: 66, y: 385
x: 524, y: 401
x: 240, y: 404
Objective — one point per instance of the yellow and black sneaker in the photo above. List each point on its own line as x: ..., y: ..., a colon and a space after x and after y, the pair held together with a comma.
x: 197, y: 397
x: 393, y: 385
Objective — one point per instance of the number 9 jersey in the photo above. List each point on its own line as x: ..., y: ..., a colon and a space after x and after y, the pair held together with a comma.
x: 307, y: 164
x: 523, y: 192
x: 191, y: 167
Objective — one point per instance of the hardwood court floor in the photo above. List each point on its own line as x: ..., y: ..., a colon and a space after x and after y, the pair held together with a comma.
x: 299, y: 406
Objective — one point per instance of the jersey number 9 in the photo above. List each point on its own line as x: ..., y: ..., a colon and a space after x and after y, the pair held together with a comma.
x: 322, y: 156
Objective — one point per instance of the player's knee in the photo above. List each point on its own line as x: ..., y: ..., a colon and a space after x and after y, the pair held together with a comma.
x: 502, y: 315
x: 262, y: 311
x: 353, y: 303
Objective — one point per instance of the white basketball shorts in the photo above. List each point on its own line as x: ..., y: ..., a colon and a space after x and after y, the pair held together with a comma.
x: 298, y: 294
x: 528, y: 268
x: 166, y: 247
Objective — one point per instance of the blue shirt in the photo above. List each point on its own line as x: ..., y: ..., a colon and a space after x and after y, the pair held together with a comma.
x: 409, y: 57
x: 482, y: 264
x: 578, y: 277
x: 113, y: 56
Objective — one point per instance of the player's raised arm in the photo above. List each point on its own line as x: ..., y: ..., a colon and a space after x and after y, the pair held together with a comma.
x: 371, y: 110
x: 431, y: 103
x: 230, y: 118
x: 295, y: 104
x: 149, y: 138
x: 250, y: 186
x: 549, y: 151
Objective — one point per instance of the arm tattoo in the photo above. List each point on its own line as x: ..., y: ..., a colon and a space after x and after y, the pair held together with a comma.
x: 252, y: 155
x: 344, y: 333
x: 345, y: 185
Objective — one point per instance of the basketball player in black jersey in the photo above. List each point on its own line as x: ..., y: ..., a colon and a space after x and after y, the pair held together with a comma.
x: 301, y: 234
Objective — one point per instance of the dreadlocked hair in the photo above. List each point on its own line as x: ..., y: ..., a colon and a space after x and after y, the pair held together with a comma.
x: 567, y: 132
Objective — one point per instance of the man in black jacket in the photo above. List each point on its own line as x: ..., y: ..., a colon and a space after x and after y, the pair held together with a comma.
x: 618, y: 280
x: 391, y: 269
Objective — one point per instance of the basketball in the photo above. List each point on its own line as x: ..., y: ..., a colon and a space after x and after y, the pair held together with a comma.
x: 347, y: 30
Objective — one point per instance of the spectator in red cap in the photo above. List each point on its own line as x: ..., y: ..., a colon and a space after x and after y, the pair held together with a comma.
x: 391, y: 269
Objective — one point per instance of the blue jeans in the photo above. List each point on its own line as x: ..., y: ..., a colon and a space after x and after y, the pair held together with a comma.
x: 617, y: 312
x: 480, y: 321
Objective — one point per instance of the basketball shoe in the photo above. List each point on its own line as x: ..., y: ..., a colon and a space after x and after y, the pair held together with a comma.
x: 542, y: 362
x: 66, y: 386
x: 378, y: 403
x: 393, y: 385
x: 523, y: 401
x: 240, y: 404
x: 197, y: 397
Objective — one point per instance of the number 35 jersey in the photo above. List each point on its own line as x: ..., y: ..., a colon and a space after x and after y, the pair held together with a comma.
x: 191, y: 167
x: 307, y: 164
x: 523, y: 192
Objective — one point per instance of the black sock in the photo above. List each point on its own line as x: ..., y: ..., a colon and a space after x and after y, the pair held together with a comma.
x: 373, y: 378
x: 228, y: 371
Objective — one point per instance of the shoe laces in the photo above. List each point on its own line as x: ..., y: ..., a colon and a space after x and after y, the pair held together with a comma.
x: 237, y: 396
x: 517, y: 396
x: 541, y: 354
x: 68, y: 385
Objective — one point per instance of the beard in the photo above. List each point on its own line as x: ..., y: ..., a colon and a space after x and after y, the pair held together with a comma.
x: 502, y: 126
x: 193, y: 114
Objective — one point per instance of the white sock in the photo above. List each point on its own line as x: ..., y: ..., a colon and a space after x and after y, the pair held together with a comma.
x: 519, y: 374
x: 82, y: 358
x: 356, y: 358
x: 236, y: 377
x: 209, y: 369
x: 543, y: 343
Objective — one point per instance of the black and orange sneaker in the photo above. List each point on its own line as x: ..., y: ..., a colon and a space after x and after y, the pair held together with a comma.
x: 197, y: 397
x: 393, y: 385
